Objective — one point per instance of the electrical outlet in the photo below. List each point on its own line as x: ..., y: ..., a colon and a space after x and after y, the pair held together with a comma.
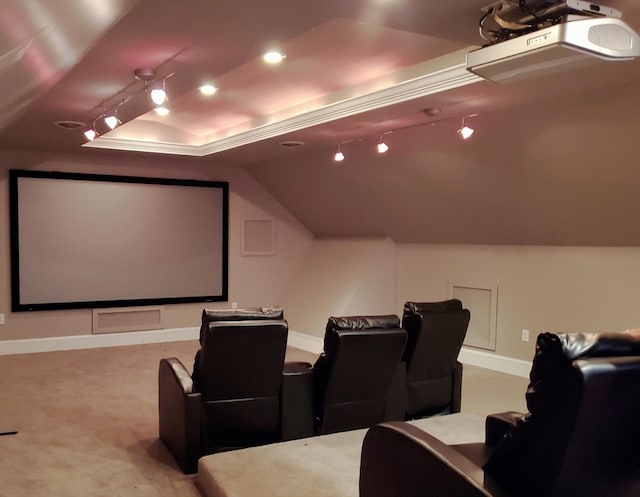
x: 234, y: 305
x: 525, y: 335
x: 1, y: 318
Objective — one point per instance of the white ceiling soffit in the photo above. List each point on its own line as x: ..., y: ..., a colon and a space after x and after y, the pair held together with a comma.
x: 40, y: 40
x: 427, y: 78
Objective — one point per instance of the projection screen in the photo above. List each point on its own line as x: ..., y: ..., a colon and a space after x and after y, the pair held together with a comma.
x: 88, y: 241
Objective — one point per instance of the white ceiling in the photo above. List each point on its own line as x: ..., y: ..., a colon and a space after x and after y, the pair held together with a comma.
x: 65, y: 60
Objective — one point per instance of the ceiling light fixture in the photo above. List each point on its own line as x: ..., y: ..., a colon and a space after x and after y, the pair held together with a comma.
x: 90, y: 133
x: 382, y: 147
x: 108, y: 118
x: 159, y: 95
x: 273, y: 57
x: 208, y: 89
x: 465, y: 131
x: 112, y: 120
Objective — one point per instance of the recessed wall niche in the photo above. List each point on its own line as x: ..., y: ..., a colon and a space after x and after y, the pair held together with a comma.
x: 482, y: 302
x: 258, y: 237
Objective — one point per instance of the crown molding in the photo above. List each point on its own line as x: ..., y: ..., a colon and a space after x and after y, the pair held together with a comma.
x: 429, y: 83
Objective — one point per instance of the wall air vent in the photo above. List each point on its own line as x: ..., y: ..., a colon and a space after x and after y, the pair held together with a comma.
x: 554, y: 48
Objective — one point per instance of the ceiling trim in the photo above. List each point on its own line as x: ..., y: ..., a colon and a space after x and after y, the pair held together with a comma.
x: 434, y: 81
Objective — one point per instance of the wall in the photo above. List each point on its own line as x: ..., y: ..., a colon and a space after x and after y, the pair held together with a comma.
x: 255, y: 280
x: 340, y: 277
x: 540, y: 288
x: 563, y: 289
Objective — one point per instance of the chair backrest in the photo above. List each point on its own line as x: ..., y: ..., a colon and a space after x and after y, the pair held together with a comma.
x: 240, y: 376
x: 242, y: 359
x: 242, y: 314
x: 352, y: 375
x: 581, y: 435
x: 435, y: 332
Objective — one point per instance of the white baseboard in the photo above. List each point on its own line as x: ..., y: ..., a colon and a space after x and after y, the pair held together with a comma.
x: 468, y: 355
x: 487, y: 360
x: 296, y: 339
x: 305, y: 342
x: 51, y: 344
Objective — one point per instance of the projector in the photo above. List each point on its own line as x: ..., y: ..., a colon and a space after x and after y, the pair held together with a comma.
x: 530, y: 13
x: 575, y: 40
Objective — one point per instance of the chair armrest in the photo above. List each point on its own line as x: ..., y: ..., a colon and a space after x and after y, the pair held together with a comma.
x: 498, y: 424
x: 400, y: 459
x: 179, y: 414
x: 296, y: 401
x: 396, y: 401
x: 456, y: 388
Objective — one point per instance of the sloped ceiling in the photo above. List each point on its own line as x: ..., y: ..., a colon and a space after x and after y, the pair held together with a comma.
x: 553, y: 161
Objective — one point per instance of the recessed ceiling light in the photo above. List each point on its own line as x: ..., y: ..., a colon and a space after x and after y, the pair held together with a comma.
x: 273, y: 57
x: 292, y: 144
x: 208, y: 89
x: 69, y: 124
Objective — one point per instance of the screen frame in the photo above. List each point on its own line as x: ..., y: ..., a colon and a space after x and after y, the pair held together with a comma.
x: 18, y: 306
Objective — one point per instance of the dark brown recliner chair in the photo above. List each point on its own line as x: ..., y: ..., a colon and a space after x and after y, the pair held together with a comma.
x: 354, y: 371
x: 233, y: 398
x: 431, y: 381
x: 580, y: 437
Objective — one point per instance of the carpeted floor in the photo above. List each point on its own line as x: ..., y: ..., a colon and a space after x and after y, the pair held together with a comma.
x: 88, y: 425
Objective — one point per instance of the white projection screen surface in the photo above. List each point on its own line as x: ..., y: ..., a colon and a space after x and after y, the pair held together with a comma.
x: 87, y: 241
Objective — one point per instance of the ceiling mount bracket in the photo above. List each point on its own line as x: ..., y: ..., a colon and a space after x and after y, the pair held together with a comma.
x: 145, y: 75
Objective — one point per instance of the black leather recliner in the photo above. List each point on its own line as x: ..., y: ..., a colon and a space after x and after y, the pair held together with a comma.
x: 354, y: 371
x: 233, y: 398
x: 345, y: 389
x: 580, y: 437
x: 430, y: 381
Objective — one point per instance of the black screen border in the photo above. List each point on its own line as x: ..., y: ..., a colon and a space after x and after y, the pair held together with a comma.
x: 18, y: 306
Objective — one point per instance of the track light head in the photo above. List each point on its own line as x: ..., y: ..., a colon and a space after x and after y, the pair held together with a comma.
x: 159, y: 96
x: 90, y: 134
x: 382, y: 147
x: 466, y: 132
x: 112, y: 121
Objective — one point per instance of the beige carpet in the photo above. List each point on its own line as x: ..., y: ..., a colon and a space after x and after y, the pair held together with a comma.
x: 324, y: 466
x: 88, y: 422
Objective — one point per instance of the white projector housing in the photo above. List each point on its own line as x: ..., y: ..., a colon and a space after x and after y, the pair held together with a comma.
x: 553, y: 48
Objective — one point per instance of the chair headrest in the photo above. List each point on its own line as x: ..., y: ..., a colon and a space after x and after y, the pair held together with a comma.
x: 445, y: 305
x: 335, y: 324
x: 573, y: 346
x: 363, y: 322
x: 556, y: 351
x: 249, y: 313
